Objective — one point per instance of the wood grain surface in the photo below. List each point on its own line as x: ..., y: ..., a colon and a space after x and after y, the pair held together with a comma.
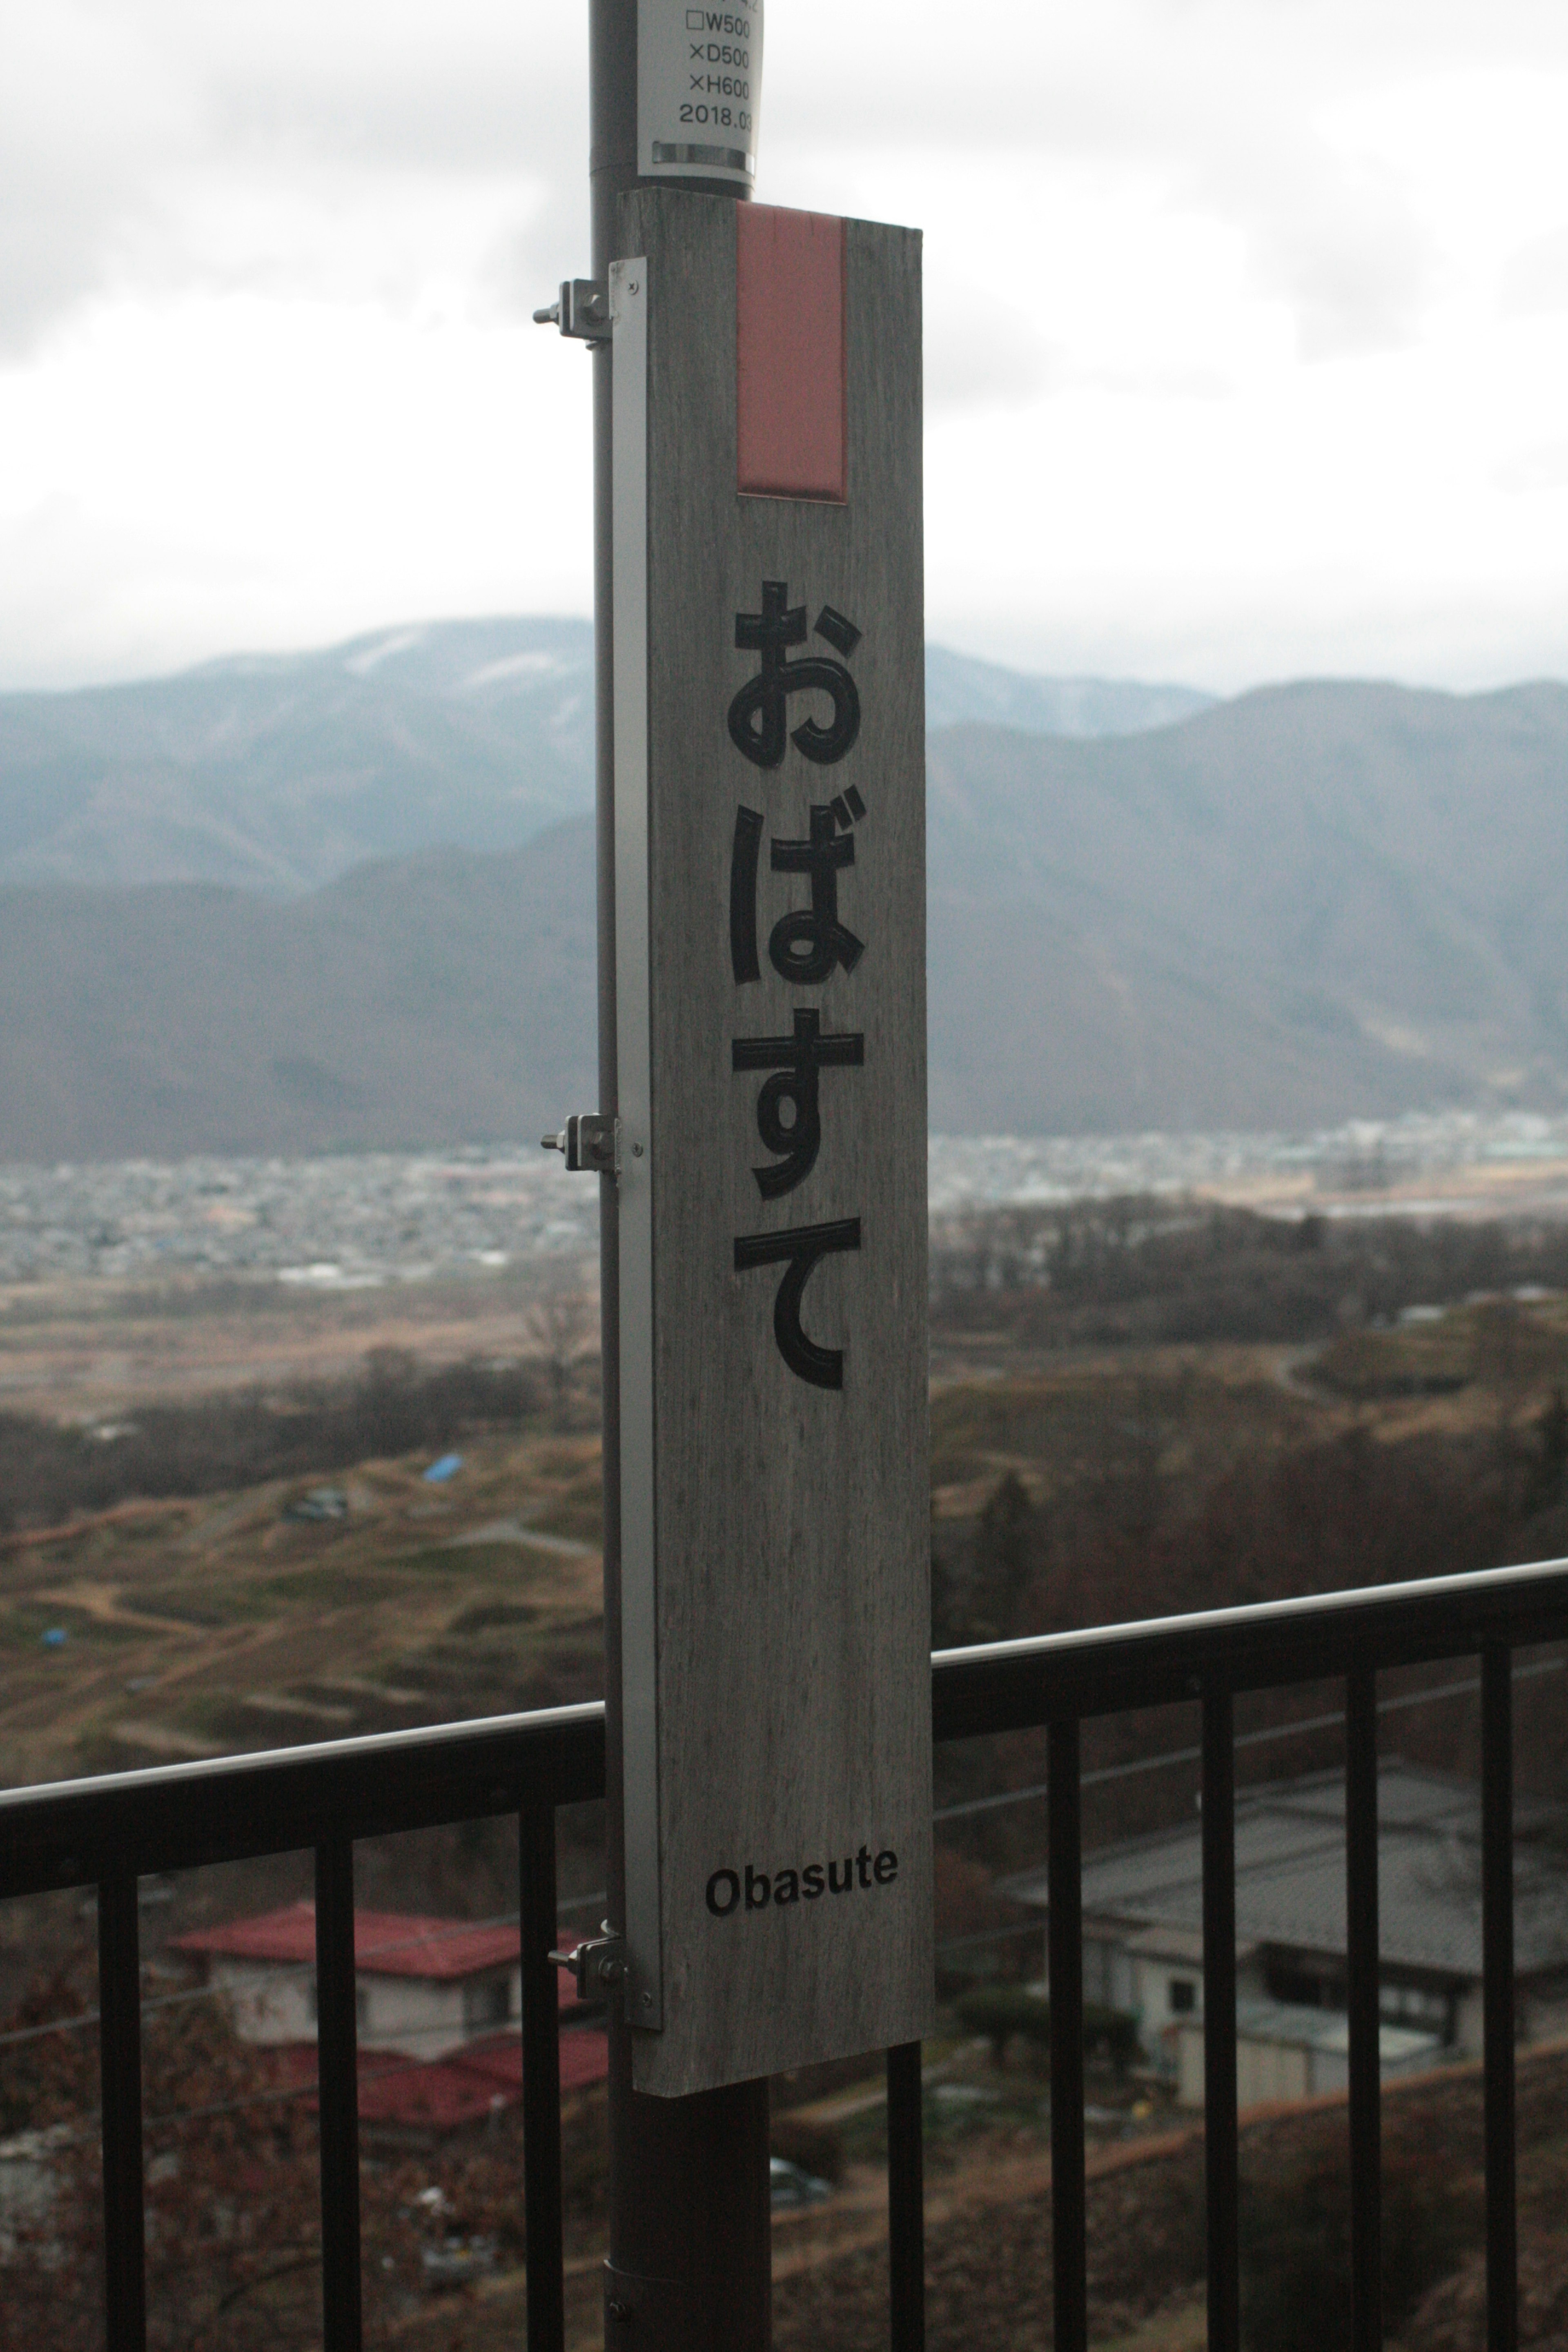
x: 791, y: 1612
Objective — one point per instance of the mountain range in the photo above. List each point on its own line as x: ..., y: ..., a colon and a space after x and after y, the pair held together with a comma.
x: 279, y: 772
x: 1314, y: 901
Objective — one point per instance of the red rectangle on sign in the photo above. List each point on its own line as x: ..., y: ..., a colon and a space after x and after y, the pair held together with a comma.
x: 790, y: 390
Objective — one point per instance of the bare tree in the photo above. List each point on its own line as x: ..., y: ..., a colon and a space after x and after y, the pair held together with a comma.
x: 561, y: 1331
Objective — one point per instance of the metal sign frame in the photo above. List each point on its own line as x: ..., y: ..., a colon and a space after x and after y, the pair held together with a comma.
x: 639, y: 1632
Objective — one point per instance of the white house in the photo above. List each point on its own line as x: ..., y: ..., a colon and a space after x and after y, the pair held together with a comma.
x: 1142, y: 1927
x: 424, y: 1986
x: 1284, y: 2054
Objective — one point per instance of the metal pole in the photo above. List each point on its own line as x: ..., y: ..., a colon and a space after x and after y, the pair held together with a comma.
x: 1064, y: 1979
x: 120, y: 2062
x: 541, y: 2218
x: 337, y: 2063
x: 1497, y: 1996
x: 906, y: 2200
x: 1221, y: 2166
x: 1366, y: 2059
x: 689, y: 2262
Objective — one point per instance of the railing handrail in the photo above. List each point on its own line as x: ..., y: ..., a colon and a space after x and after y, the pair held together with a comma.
x: 1251, y: 1613
x: 227, y: 1808
x: 543, y: 1722
x: 60, y: 1832
x: 1150, y: 1662
x: 113, y: 1828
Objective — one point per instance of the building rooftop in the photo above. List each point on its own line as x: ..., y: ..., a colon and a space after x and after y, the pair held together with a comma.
x: 386, y: 1943
x: 1326, y: 2029
x: 1291, y: 1875
x: 463, y: 2087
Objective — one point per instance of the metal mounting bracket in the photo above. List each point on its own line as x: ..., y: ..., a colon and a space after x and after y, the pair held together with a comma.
x: 582, y: 310
x: 589, y: 1145
x: 599, y: 1964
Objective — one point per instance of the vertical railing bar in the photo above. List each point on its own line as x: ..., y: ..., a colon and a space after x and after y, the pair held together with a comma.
x: 337, y: 2062
x: 1365, y: 2047
x: 906, y: 2200
x: 1064, y: 1878
x: 1497, y: 1996
x: 542, y: 2218
x: 120, y: 2072
x: 1220, y: 2158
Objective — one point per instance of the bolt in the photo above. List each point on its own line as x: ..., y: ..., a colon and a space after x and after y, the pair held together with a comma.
x: 618, y: 2310
x: 637, y: 1152
x: 632, y: 286
x: 647, y: 2001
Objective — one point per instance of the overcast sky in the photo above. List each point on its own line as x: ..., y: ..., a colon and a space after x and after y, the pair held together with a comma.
x: 1246, y: 345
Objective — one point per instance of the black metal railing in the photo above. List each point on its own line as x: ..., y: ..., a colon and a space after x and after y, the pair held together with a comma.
x: 109, y: 1832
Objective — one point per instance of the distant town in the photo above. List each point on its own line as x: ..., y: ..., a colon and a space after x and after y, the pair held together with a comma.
x: 362, y: 1220
x: 322, y: 1224
x: 1438, y: 1164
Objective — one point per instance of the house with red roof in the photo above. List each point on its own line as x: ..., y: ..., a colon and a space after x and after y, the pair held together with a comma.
x: 438, y: 2004
x: 424, y: 1986
x: 404, y: 2099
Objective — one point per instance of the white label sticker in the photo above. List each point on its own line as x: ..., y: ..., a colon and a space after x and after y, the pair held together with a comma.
x: 700, y: 81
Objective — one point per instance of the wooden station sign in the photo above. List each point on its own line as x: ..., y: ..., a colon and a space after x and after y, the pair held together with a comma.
x: 770, y: 930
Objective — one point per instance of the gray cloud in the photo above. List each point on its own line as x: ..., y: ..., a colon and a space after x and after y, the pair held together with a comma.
x: 1215, y: 106
x: 120, y: 132
x: 429, y: 161
x: 88, y: 120
x: 124, y: 137
x: 529, y: 259
x: 1544, y: 467
x: 982, y: 352
x: 1534, y: 278
x: 1341, y: 245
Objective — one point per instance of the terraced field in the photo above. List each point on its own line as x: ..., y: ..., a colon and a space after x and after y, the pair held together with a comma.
x: 161, y: 1630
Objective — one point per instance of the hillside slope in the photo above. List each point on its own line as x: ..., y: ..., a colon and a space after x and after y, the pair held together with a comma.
x: 423, y: 999
x: 1319, y: 901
